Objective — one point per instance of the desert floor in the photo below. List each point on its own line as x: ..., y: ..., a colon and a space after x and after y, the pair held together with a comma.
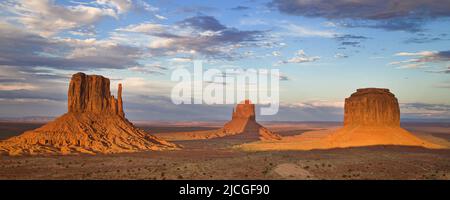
x: 216, y: 159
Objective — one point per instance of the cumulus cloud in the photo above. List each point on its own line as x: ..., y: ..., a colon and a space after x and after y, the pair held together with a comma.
x: 24, y: 50
x: 47, y: 18
x: 199, y: 35
x: 300, y: 57
x: 386, y: 14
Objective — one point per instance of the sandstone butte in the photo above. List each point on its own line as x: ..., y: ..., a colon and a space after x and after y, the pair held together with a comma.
x: 371, y: 117
x: 243, y: 125
x: 95, y: 123
x: 241, y: 128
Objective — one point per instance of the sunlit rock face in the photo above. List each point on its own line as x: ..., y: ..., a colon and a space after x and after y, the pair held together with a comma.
x: 95, y: 123
x: 373, y: 107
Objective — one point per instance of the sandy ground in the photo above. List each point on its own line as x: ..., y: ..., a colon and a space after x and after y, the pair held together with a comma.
x: 215, y: 159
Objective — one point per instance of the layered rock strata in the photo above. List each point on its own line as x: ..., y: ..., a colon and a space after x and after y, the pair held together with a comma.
x: 95, y: 123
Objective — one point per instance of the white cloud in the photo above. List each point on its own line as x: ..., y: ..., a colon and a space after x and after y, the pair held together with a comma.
x: 316, y: 104
x: 17, y: 86
x: 340, y: 55
x: 146, y: 27
x: 122, y: 6
x: 46, y: 18
x: 330, y: 24
x: 422, y: 59
x: 276, y: 53
x: 300, y: 31
x: 162, y: 43
x: 181, y: 60
x: 146, y: 6
x: 160, y: 17
x: 300, y: 57
x: 201, y: 36
x: 421, y: 53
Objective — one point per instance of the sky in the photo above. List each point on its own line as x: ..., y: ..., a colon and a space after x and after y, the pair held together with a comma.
x: 324, y: 50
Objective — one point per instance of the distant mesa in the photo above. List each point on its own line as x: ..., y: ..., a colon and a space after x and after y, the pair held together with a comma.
x: 241, y: 128
x: 95, y: 123
x: 243, y: 124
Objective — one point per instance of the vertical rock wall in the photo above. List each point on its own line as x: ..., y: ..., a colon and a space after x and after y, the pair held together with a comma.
x: 91, y: 93
x: 373, y: 107
x: 244, y: 111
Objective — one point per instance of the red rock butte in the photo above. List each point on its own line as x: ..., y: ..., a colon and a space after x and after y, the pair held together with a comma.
x: 91, y: 94
x: 95, y: 123
x: 372, y: 106
x: 372, y: 117
x: 243, y: 124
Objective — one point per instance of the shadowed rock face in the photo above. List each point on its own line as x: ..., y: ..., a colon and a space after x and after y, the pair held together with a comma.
x: 243, y: 124
x: 244, y: 111
x: 373, y: 107
x: 95, y: 123
x: 91, y: 93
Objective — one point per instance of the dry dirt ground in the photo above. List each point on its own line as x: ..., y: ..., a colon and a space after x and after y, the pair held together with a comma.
x: 214, y: 159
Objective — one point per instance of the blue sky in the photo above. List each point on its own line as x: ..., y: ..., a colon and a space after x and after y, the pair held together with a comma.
x: 325, y: 50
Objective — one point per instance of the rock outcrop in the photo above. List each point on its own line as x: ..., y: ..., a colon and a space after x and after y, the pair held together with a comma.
x: 95, y: 123
x: 243, y: 124
x: 372, y: 106
x: 372, y: 117
x: 91, y: 94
